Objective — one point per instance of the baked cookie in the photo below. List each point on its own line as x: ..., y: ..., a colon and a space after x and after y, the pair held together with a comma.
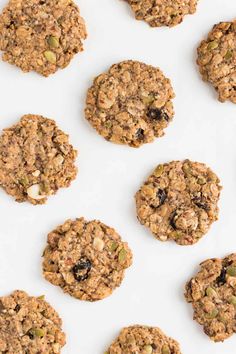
x: 130, y: 104
x: 217, y: 60
x: 41, y: 36
x: 162, y: 12
x: 36, y: 159
x: 144, y: 340
x: 87, y: 259
x: 178, y: 201
x: 212, y: 293
x: 29, y: 325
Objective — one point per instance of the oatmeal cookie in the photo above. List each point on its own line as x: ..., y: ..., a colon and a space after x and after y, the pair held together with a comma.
x: 87, y: 259
x: 36, y: 159
x: 29, y: 325
x: 159, y: 13
x: 217, y: 60
x: 130, y: 104
x: 178, y: 201
x: 144, y: 340
x: 212, y: 293
x: 41, y: 36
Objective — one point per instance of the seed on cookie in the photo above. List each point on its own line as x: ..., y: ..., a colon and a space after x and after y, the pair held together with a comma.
x: 178, y: 201
x: 162, y: 13
x: 36, y: 159
x: 143, y: 340
x: 87, y: 259
x: 217, y: 60
x: 212, y: 293
x: 130, y: 104
x: 41, y: 36
x: 29, y: 324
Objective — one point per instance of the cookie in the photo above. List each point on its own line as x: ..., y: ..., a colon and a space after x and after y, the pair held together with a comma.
x: 212, y: 293
x: 41, y: 36
x: 178, y: 201
x: 162, y: 12
x: 36, y: 159
x: 87, y: 259
x: 29, y: 325
x: 130, y: 104
x: 144, y: 340
x: 217, y: 60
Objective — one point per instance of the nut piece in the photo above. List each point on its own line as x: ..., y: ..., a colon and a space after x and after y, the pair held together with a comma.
x: 34, y: 192
x: 98, y: 244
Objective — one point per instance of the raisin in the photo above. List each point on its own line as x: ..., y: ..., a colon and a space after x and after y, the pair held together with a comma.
x: 199, y: 202
x: 140, y: 134
x: 172, y: 221
x: 157, y: 114
x: 161, y: 194
x: 81, y: 269
x: 222, y: 277
x: 17, y: 308
x: 153, y: 346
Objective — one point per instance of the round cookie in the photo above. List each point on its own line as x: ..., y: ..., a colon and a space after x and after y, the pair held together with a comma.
x: 162, y: 12
x: 36, y: 159
x: 41, y: 36
x: 178, y: 201
x: 87, y: 259
x: 212, y: 293
x: 130, y: 104
x: 29, y: 325
x: 144, y: 340
x: 217, y: 60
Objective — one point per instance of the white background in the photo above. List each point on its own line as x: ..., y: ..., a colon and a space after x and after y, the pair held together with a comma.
x: 109, y: 175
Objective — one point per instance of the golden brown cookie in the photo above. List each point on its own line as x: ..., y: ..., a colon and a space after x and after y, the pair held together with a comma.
x: 217, y: 60
x: 212, y: 293
x: 36, y: 159
x: 178, y: 201
x: 29, y: 325
x: 144, y: 340
x: 162, y: 12
x: 87, y: 259
x: 130, y: 104
x: 41, y: 36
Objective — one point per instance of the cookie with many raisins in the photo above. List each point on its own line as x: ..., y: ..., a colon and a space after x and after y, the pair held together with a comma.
x: 212, y: 293
x: 87, y: 259
x: 143, y: 340
x: 36, y: 159
x: 41, y: 36
x: 130, y: 104
x: 164, y: 12
x: 217, y: 60
x: 178, y: 201
x: 29, y: 324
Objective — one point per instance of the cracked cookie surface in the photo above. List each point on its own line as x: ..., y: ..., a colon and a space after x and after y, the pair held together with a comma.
x: 29, y: 325
x: 144, y: 340
x: 178, y: 201
x: 87, y: 259
x: 217, y: 60
x: 212, y: 293
x: 41, y: 36
x: 36, y: 159
x: 159, y: 13
x: 130, y: 104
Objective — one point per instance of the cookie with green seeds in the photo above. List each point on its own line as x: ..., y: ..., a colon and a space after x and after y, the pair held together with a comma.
x: 143, y: 340
x: 29, y: 324
x: 212, y: 293
x: 217, y: 60
x: 162, y: 12
x: 179, y: 201
x: 87, y: 259
x: 130, y: 104
x: 36, y: 159
x: 41, y: 36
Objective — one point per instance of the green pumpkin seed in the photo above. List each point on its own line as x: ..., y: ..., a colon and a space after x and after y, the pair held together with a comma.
x: 122, y: 255
x: 165, y: 349
x: 212, y: 314
x: 211, y: 292
x: 37, y: 332
x: 148, y: 349
x: 159, y: 170
x: 53, y: 42
x: 113, y: 246
x: 232, y: 300
x: 50, y: 56
x: 229, y: 54
x: 212, y: 45
x: 231, y: 271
